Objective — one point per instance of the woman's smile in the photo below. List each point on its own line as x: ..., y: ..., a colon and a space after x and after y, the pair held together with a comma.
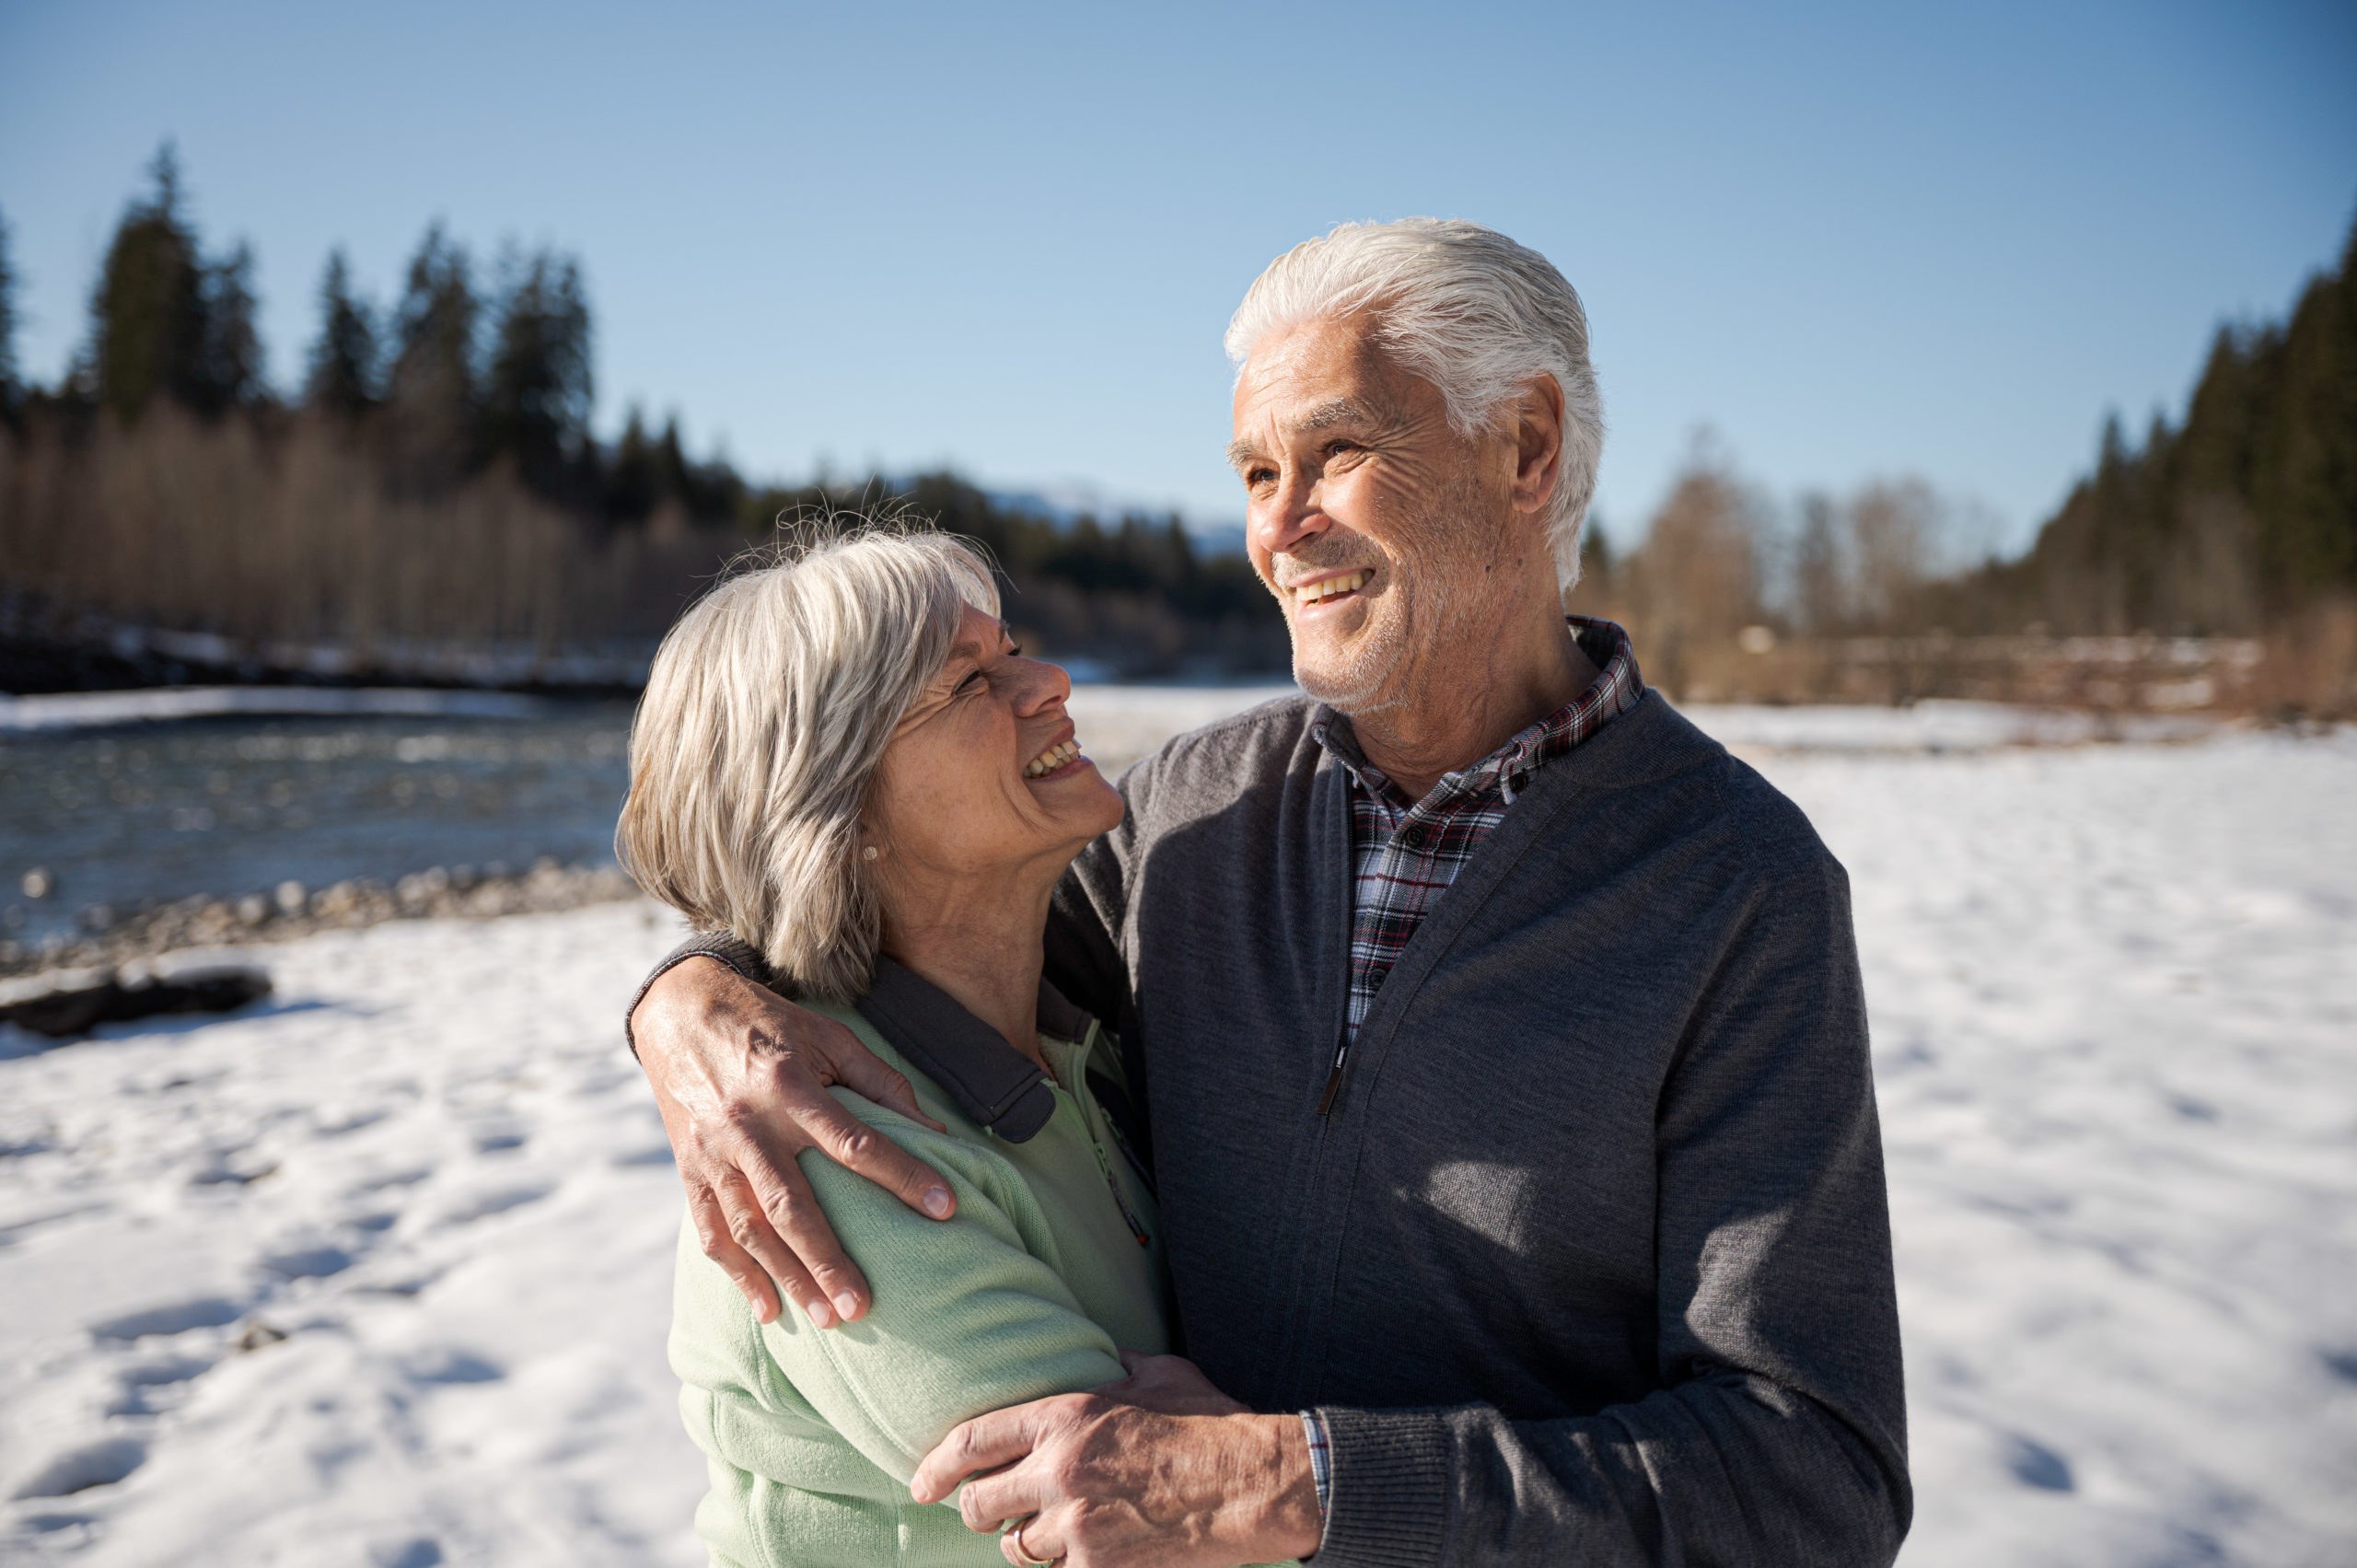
x: 1058, y: 760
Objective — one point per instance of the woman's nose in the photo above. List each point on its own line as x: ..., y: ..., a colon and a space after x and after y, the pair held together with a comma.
x: 1042, y: 685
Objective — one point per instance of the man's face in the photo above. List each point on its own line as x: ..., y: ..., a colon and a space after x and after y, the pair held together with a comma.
x: 1371, y: 520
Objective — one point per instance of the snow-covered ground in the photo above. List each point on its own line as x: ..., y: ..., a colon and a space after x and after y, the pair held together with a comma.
x: 2115, y: 1000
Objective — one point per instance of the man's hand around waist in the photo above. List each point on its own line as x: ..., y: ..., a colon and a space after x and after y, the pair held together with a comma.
x: 741, y: 1075
x: 1160, y: 1468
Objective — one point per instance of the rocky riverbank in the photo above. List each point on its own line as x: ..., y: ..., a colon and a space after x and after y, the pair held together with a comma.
x: 107, y: 937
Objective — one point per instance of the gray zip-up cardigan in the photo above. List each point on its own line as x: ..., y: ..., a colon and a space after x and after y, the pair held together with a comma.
x: 1590, y: 1261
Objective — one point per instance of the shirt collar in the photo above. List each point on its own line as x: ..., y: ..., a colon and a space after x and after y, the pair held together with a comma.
x: 993, y: 1084
x: 1615, y: 689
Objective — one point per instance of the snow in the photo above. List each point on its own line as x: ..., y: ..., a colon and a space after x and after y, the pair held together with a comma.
x: 2115, y: 1011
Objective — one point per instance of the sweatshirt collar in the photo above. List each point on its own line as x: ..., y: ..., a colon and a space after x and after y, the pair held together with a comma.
x: 993, y: 1084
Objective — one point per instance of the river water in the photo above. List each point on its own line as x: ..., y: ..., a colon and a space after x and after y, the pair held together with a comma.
x: 106, y: 807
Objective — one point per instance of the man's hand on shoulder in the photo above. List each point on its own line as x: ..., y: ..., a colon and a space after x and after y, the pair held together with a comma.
x: 741, y: 1075
x: 1160, y: 1468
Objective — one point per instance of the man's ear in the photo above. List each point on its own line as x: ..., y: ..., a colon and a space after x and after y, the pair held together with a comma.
x: 1539, y: 443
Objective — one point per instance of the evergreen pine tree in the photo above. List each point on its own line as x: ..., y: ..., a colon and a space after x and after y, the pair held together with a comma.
x: 538, y: 389
x: 2305, y: 468
x: 12, y: 389
x: 229, y: 370
x: 631, y: 485
x: 147, y: 319
x: 433, y: 390
x: 343, y: 376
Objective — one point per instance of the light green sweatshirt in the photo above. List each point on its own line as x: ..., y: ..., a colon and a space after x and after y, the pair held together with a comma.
x: 812, y: 1435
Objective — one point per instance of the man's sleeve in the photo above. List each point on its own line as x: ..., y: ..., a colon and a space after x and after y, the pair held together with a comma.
x: 737, y: 955
x: 1780, y: 1433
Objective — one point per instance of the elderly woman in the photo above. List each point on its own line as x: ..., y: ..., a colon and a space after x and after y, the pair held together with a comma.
x: 843, y: 760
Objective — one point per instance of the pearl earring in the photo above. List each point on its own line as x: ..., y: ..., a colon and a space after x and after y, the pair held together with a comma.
x: 867, y: 854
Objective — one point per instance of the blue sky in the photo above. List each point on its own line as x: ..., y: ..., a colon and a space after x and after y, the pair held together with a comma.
x: 1855, y: 241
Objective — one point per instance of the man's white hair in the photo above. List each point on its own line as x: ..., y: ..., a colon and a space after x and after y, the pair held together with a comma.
x: 767, y: 712
x: 1468, y: 309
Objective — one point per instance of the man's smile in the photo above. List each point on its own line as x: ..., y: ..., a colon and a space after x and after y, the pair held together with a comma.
x: 1333, y: 587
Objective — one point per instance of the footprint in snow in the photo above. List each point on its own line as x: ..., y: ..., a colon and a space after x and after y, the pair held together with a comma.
x: 309, y: 1262
x: 153, y: 1385
x: 2035, y: 1464
x: 497, y: 1202
x: 79, y: 1469
x: 176, y: 1318
x: 446, y: 1365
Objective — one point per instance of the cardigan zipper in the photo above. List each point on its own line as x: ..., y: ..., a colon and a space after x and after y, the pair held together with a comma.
x: 1334, y: 1078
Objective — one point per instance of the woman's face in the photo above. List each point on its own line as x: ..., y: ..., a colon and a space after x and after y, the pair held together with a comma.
x: 984, y: 776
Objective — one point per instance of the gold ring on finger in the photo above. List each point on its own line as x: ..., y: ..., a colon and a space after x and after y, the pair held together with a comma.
x: 1023, y: 1553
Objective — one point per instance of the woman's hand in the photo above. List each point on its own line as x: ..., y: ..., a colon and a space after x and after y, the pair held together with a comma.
x: 740, y: 1075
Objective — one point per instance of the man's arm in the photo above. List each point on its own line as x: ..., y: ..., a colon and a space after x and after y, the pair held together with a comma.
x: 1160, y: 1469
x: 740, y: 1075
x: 968, y: 1316
x: 1780, y: 1435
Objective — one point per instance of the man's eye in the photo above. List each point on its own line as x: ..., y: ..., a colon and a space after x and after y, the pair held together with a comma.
x: 1259, y: 476
x: 1014, y: 650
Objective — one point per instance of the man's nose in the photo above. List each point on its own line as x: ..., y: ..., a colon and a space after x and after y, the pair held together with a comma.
x: 1290, y: 515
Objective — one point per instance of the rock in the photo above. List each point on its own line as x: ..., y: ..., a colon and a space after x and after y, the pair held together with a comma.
x: 290, y: 896
x: 66, y: 1004
x: 258, y: 1334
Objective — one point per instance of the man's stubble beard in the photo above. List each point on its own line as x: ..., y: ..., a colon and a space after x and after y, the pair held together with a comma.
x: 1392, y: 666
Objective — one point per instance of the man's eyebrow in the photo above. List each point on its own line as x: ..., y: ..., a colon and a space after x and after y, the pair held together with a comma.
x: 1325, y: 416
x: 1341, y: 411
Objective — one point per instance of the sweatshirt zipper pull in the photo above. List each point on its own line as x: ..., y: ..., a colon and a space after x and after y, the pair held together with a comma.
x: 1334, y: 1078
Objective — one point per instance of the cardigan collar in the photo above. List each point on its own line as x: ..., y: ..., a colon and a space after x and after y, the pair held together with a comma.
x: 993, y: 1084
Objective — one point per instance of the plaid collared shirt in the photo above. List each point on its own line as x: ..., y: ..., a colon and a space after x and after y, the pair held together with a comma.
x: 1407, y: 852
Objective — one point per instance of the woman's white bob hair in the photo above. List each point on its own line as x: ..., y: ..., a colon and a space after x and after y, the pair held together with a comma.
x: 768, y: 709
x: 1468, y: 309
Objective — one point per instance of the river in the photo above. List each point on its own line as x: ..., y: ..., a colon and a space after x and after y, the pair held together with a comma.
x: 108, y: 803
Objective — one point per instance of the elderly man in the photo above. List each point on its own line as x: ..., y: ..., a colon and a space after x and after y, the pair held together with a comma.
x: 1504, y: 1057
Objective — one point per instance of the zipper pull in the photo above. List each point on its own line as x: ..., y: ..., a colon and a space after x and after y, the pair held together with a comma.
x: 1334, y: 1078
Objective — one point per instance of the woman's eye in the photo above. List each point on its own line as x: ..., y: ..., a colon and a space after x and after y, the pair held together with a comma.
x: 1014, y: 650
x: 971, y: 681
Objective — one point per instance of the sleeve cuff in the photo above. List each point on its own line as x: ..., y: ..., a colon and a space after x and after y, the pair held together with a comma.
x: 740, y: 955
x: 1387, y: 1498
x: 1321, y: 1467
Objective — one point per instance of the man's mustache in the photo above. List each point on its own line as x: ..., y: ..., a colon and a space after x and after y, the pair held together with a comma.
x: 1289, y: 570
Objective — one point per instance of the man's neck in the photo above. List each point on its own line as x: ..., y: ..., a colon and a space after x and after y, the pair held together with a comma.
x: 983, y: 947
x: 1467, y: 706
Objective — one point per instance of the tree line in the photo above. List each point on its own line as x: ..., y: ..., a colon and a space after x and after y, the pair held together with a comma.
x: 434, y: 478
x: 2239, y: 521
x: 2242, y: 515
